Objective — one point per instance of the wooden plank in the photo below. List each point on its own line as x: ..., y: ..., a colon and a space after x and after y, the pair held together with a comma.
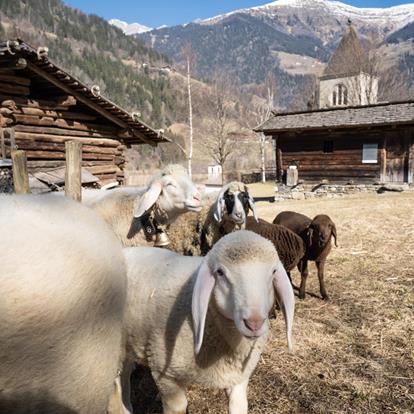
x: 12, y: 64
x: 328, y: 174
x: 65, y: 124
x: 59, y: 131
x: 54, y: 155
x: 43, y: 165
x: 73, y: 176
x: 82, y: 98
x: 14, y: 89
x: 18, y: 80
x: 345, y: 168
x: 61, y: 123
x: 20, y: 174
x: 65, y: 114
x: 31, y: 145
x: 104, y: 142
x: 104, y: 169
x: 59, y: 102
x: 105, y: 181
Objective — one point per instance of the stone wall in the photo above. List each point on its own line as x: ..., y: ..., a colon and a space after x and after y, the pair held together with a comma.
x: 305, y: 192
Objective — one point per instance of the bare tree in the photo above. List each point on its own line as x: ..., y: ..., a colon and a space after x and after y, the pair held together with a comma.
x: 189, y: 56
x: 219, y: 145
x: 261, y: 113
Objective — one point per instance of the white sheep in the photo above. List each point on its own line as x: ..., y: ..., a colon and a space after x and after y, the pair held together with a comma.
x: 137, y: 214
x: 63, y: 291
x: 194, y: 234
x: 203, y: 320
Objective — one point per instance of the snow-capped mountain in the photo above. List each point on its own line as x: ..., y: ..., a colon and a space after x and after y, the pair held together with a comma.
x: 129, y: 28
x: 397, y: 16
x: 290, y: 38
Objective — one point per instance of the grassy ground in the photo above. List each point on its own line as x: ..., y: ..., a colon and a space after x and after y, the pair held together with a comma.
x: 262, y: 189
x: 355, y: 353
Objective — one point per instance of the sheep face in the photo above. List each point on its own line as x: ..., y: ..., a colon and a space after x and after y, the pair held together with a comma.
x: 234, y: 202
x: 179, y: 194
x: 242, y: 273
x: 242, y: 301
x: 321, y: 230
x: 172, y: 191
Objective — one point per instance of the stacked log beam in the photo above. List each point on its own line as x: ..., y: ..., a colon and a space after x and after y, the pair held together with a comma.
x: 43, y: 127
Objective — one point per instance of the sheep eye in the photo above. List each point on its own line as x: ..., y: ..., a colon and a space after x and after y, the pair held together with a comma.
x: 220, y: 272
x: 171, y: 185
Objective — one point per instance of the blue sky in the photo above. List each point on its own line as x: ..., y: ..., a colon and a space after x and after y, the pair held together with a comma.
x: 154, y: 13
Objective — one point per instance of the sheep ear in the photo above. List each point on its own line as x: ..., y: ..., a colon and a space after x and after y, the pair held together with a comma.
x: 286, y: 300
x: 203, y: 287
x: 253, y: 207
x: 334, y: 234
x: 148, y: 199
x: 218, y: 213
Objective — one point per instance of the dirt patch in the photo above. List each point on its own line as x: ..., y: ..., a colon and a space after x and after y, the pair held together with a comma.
x: 355, y: 353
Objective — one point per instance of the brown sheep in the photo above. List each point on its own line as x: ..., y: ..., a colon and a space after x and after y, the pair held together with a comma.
x: 289, y: 246
x: 316, y: 235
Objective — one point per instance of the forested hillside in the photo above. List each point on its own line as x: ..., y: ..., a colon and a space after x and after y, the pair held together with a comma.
x: 96, y: 52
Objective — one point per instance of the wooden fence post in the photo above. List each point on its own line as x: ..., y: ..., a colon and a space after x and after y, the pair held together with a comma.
x: 20, y: 175
x: 2, y: 144
x: 73, y: 177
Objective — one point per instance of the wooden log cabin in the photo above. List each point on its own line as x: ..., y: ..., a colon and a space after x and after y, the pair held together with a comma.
x: 363, y: 144
x: 42, y: 107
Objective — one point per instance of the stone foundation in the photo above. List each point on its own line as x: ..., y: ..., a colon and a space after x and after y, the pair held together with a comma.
x: 306, y: 191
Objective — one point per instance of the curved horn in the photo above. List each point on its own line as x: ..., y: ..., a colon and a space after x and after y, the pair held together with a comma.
x: 286, y: 300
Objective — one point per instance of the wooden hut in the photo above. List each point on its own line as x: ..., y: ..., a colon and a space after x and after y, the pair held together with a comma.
x: 42, y: 106
x: 364, y: 144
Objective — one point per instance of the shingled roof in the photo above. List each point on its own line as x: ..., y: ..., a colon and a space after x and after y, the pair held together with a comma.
x: 348, y: 58
x: 16, y: 52
x: 334, y: 118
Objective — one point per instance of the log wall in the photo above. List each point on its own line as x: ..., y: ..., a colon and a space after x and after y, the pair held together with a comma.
x: 43, y: 126
x: 395, y: 155
x: 341, y: 165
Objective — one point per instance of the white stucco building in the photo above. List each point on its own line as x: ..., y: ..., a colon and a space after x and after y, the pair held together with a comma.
x: 349, y: 78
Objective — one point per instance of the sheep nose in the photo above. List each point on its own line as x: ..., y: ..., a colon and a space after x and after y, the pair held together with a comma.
x: 254, y: 323
x: 197, y: 196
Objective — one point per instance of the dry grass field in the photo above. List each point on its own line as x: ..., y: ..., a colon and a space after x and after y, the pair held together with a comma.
x: 355, y: 353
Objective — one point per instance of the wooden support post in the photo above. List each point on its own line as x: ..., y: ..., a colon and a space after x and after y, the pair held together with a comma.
x: 73, y: 177
x: 2, y: 144
x: 279, y: 163
x: 20, y: 175
x: 383, y: 166
x: 12, y: 137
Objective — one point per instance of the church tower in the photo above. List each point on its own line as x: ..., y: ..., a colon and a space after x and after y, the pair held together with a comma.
x: 348, y: 79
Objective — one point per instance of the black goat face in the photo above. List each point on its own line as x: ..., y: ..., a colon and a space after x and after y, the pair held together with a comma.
x: 230, y: 201
x: 235, y: 206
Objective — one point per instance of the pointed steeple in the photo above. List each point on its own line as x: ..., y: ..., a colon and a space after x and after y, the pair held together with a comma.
x: 349, y: 57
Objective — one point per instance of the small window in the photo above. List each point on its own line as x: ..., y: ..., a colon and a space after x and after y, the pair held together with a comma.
x: 370, y: 153
x: 327, y: 147
x: 339, y: 95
